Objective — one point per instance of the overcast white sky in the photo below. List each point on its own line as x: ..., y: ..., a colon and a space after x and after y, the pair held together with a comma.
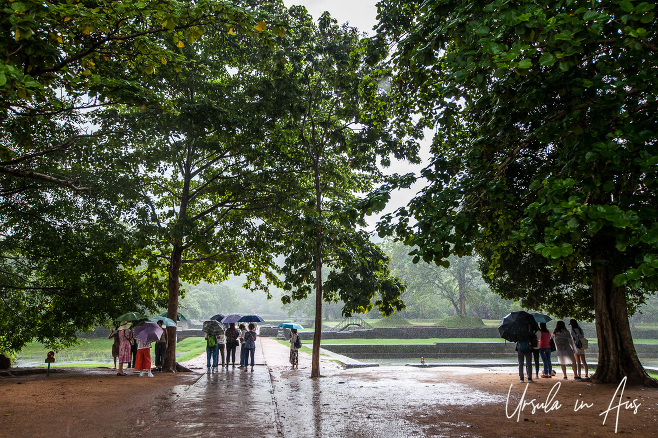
x: 363, y: 15
x: 358, y: 13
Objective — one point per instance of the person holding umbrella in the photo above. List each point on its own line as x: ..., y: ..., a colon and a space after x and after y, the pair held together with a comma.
x: 545, y: 350
x: 160, y: 348
x: 294, y: 350
x: 124, y: 347
x: 232, y: 335
x: 212, y: 350
x: 249, y: 345
x: 146, y: 333
x: 243, y: 350
x: 114, y: 334
x: 143, y: 360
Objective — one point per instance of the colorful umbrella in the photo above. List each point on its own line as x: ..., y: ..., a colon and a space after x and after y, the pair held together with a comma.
x: 231, y: 319
x: 148, y: 332
x: 213, y: 327
x: 540, y: 317
x: 179, y: 316
x: 132, y: 316
x: 167, y: 322
x: 291, y: 325
x: 125, y: 325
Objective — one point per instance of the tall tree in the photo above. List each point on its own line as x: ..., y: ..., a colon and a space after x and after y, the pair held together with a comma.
x: 61, y: 60
x: 326, y: 80
x: 204, y: 171
x: 545, y: 149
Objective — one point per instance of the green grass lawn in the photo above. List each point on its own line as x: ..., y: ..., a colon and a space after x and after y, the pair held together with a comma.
x: 92, y: 353
x: 303, y: 349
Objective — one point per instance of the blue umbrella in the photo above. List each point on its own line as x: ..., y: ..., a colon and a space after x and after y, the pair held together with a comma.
x: 231, y: 319
x: 217, y: 317
x: 251, y: 318
x: 179, y: 316
x: 291, y: 325
x: 167, y: 322
x: 540, y: 317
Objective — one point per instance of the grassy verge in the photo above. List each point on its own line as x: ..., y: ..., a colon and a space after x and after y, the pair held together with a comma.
x: 287, y: 344
x: 87, y: 350
x: 189, y: 348
x: 92, y: 353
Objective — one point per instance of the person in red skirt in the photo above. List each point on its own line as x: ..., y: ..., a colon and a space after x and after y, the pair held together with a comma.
x: 143, y: 361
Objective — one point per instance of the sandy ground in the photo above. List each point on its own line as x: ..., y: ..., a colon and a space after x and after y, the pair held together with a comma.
x: 367, y: 402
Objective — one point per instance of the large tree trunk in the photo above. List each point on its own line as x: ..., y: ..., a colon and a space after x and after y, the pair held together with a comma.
x: 317, y: 333
x: 462, y: 296
x: 172, y: 308
x: 617, y: 356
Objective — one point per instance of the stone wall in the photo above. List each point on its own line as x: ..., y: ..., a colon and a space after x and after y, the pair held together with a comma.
x: 480, y: 350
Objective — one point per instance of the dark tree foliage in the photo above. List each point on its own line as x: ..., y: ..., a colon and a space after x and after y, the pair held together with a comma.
x: 545, y: 153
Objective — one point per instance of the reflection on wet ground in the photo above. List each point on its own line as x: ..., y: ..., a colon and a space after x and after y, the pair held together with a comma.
x: 364, y: 403
x: 276, y: 401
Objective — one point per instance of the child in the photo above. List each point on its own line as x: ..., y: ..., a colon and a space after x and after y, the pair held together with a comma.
x: 143, y: 361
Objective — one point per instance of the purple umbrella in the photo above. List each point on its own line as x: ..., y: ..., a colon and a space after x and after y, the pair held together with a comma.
x: 148, y: 332
x: 231, y: 319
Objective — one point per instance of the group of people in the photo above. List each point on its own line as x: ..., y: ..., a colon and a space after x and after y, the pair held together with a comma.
x: 129, y: 349
x: 570, y: 345
x: 243, y: 336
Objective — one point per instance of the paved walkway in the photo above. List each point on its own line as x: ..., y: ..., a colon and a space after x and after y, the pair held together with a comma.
x: 230, y: 402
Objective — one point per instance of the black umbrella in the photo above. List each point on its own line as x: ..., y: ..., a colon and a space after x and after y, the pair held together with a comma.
x: 218, y: 317
x: 518, y: 326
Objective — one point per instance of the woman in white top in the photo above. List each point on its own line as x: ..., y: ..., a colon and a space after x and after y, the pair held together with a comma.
x: 565, y: 348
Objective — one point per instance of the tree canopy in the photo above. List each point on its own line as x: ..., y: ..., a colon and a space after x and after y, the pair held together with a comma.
x: 544, y: 158
x: 334, y: 129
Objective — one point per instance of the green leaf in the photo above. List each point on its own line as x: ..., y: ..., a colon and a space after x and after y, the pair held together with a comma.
x: 482, y: 31
x: 590, y: 15
x: 525, y: 63
x: 547, y: 59
x: 620, y: 280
